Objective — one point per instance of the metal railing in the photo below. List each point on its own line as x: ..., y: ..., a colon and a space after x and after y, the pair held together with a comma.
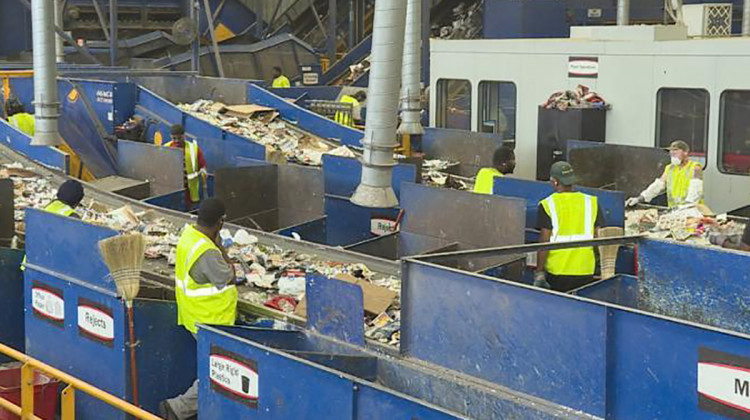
x: 68, y: 406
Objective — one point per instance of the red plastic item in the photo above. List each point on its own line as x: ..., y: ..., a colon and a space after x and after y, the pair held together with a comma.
x: 45, y: 393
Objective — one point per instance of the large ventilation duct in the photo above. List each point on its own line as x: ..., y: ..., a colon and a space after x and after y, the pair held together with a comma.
x: 411, y: 92
x: 746, y: 18
x: 623, y: 12
x: 375, y: 188
x: 45, y: 74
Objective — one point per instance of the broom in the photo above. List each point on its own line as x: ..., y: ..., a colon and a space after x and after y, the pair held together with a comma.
x: 123, y: 255
x: 608, y: 253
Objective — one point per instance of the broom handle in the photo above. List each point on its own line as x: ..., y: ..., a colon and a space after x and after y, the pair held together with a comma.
x: 133, y: 367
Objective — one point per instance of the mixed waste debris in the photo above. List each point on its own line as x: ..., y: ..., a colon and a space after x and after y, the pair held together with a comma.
x: 268, y: 274
x: 580, y: 98
x: 692, y: 224
x: 466, y: 23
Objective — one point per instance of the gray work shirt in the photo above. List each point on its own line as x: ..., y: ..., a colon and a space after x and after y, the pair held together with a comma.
x: 211, y: 268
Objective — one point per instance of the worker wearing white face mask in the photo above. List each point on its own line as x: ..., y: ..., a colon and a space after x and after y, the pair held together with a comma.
x: 682, y: 179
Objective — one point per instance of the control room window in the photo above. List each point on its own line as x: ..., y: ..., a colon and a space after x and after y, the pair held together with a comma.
x: 497, y: 109
x: 454, y: 104
x: 734, y: 138
x: 682, y: 114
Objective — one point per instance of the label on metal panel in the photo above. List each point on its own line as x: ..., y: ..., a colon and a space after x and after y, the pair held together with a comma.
x: 310, y: 79
x: 96, y: 322
x: 594, y: 13
x: 234, y: 376
x: 104, y: 96
x: 587, y: 67
x: 379, y: 226
x: 723, y: 383
x: 48, y: 303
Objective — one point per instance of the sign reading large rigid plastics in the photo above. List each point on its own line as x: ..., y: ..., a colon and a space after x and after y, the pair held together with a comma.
x: 234, y: 376
x: 96, y: 322
x: 48, y: 303
x: 586, y: 67
x: 723, y: 383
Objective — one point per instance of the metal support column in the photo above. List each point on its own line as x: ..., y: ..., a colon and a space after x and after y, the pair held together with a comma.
x: 352, y: 24
x: 194, y: 14
x: 112, y: 32
x: 259, y: 13
x: 426, y: 9
x: 332, y: 19
x: 214, y: 43
x: 59, y: 47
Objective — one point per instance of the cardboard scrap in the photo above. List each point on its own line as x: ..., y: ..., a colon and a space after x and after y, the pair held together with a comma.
x: 246, y: 111
x: 377, y: 299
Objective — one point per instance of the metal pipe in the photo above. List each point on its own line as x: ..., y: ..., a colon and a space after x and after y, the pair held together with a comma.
x: 746, y: 18
x: 623, y: 12
x: 411, y: 91
x: 195, y: 57
x: 45, y: 74
x: 102, y: 21
x: 59, y: 47
x: 379, y: 141
x: 332, y: 31
x: 112, y: 32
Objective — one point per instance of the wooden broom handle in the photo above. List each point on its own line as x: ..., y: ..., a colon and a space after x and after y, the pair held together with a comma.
x: 133, y: 366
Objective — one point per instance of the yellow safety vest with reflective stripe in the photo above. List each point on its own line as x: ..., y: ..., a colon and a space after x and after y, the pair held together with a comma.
x: 573, y: 216
x: 24, y: 122
x: 486, y: 180
x: 192, y: 172
x: 344, y: 118
x: 677, y: 179
x: 200, y: 303
x: 56, y: 207
x: 281, y: 82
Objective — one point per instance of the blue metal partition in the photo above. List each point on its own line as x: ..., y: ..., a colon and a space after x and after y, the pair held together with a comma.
x: 21, y: 143
x: 11, y: 296
x: 305, y: 119
x: 75, y: 321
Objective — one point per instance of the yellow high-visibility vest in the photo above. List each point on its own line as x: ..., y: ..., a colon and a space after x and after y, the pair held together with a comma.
x: 344, y: 118
x: 573, y: 216
x: 281, y: 82
x: 24, y: 122
x: 486, y: 180
x: 200, y: 303
x: 56, y: 207
x: 677, y: 179
x: 192, y: 172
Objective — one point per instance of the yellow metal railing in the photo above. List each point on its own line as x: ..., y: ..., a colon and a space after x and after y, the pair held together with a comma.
x: 7, y: 75
x: 26, y: 410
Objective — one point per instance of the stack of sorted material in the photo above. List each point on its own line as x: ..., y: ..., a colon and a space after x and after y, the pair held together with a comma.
x: 684, y: 225
x: 466, y: 23
x: 580, y: 98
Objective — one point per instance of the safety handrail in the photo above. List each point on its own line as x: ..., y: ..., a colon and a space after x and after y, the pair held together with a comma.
x: 26, y: 410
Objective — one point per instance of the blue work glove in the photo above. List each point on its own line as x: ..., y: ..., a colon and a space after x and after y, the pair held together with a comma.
x: 540, y: 280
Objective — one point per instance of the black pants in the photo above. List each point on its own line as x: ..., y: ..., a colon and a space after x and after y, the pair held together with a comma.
x: 568, y: 283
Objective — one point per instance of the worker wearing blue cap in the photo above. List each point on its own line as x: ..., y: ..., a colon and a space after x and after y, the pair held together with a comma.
x: 566, y: 216
x: 69, y: 196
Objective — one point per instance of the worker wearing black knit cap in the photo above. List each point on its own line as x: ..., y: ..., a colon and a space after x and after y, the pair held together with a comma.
x: 69, y: 196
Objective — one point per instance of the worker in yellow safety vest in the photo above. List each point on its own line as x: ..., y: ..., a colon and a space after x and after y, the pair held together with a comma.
x: 503, y: 163
x: 195, y: 166
x: 69, y: 196
x: 205, y: 290
x: 279, y: 80
x: 682, y: 179
x: 565, y: 216
x: 356, y: 100
x: 19, y: 118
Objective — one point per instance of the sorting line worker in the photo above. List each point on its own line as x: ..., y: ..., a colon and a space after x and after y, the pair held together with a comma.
x: 19, y: 118
x: 682, y: 179
x: 69, y: 196
x: 204, y: 288
x: 345, y: 118
x: 195, y: 165
x: 279, y: 80
x: 503, y: 163
x: 566, y: 216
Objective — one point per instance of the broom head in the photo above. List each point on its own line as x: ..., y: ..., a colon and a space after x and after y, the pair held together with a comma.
x: 608, y: 253
x: 123, y: 255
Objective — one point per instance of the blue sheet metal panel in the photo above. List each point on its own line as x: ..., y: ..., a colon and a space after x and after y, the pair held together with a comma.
x: 58, y: 243
x: 525, y: 19
x: 654, y: 365
x: 288, y: 388
x: 312, y: 231
x: 65, y: 347
x: 698, y: 284
x: 341, y: 175
x: 619, y: 290
x: 157, y: 105
x: 16, y: 23
x: 375, y: 404
x: 11, y: 296
x: 78, y: 129
x: 166, y: 355
x: 21, y: 143
x: 348, y: 223
x: 325, y: 93
x: 23, y: 89
x: 307, y: 120
x: 101, y: 95
x: 123, y: 102
x: 612, y: 202
x: 240, y: 147
x: 534, y: 341
x: 335, y: 308
x: 174, y: 200
x: 354, y: 56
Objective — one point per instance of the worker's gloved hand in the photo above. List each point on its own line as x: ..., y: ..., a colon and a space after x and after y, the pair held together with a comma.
x: 540, y: 280
x: 634, y: 201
